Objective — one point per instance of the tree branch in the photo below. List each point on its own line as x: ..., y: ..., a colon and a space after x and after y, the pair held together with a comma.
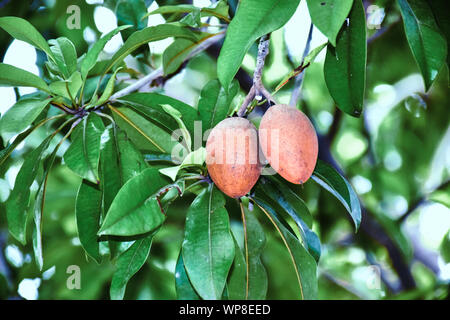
x: 299, y: 78
x: 257, y: 91
x: 160, y: 72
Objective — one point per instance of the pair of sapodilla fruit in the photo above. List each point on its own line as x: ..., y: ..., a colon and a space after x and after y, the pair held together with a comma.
x: 286, y: 137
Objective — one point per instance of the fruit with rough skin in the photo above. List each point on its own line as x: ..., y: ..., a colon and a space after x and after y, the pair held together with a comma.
x: 232, y: 156
x: 289, y: 142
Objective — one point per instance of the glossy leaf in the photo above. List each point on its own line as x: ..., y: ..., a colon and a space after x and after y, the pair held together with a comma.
x: 150, y: 105
x: 11, y: 76
x: 327, y: 177
x: 21, y: 115
x: 128, y: 264
x: 426, y: 41
x: 174, y: 113
x: 21, y: 29
x: 183, y: 285
x: 345, y: 65
x: 109, y: 89
x: 145, y: 134
x: 83, y: 155
x: 136, y: 209
x: 65, y: 55
x: 215, y: 102
x: 146, y: 35
x: 304, y: 264
x: 90, y: 60
x: 18, y: 201
x: 208, y: 248
x: 196, y: 157
x: 287, y: 200
x: 328, y: 16
x: 253, y: 19
x: 87, y: 211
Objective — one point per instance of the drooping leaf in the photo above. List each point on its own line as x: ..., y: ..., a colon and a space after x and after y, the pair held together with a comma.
x: 11, y: 76
x: 87, y: 211
x: 183, y: 285
x: 21, y: 29
x: 150, y: 105
x: 6, y: 152
x: 253, y: 19
x: 426, y: 41
x: 215, y: 102
x: 144, y: 133
x: 255, y: 280
x: 146, y: 35
x: 128, y: 264
x: 131, y: 12
x: 68, y: 88
x: 90, y: 60
x: 345, y: 65
x: 136, y: 208
x: 65, y: 55
x: 284, y: 198
x: 83, y: 155
x: 21, y: 115
x: 18, y: 201
x: 208, y: 248
x: 328, y: 16
x: 304, y: 264
x: 327, y: 177
x: 174, y: 113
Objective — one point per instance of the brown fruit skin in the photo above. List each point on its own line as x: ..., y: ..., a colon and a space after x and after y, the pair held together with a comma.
x: 298, y: 145
x: 232, y: 156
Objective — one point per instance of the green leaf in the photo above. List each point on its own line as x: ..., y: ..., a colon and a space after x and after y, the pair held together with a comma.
x: 345, y: 65
x: 150, y: 105
x: 91, y: 57
x: 427, y: 43
x: 128, y: 264
x: 183, y: 285
x: 252, y: 285
x: 284, y: 198
x: 68, y: 88
x: 135, y: 210
x: 108, y: 90
x: 131, y: 12
x: 144, y: 133
x: 146, y: 35
x: 21, y: 29
x: 18, y: 201
x: 208, y: 248
x: 11, y: 76
x: 218, y: 10
x: 215, y: 102
x: 87, y: 211
x: 327, y: 177
x: 328, y: 16
x: 196, y: 158
x: 304, y: 264
x: 65, y: 55
x: 174, y: 113
x: 254, y: 18
x: 439, y: 8
x: 445, y: 247
x: 83, y: 155
x: 21, y: 115
x: 179, y: 50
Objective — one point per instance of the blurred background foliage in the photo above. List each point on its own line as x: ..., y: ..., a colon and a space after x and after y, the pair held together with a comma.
x: 397, y: 156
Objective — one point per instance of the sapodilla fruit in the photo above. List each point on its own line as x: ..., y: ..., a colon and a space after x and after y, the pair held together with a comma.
x: 289, y: 142
x: 232, y: 156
